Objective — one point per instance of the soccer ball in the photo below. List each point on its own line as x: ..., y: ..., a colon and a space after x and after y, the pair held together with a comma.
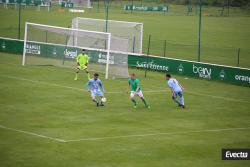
x: 103, y: 99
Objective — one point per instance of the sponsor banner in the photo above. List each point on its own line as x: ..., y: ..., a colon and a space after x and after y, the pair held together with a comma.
x: 67, y: 4
x: 228, y: 74
x: 146, y: 8
x: 32, y: 48
x: 102, y: 58
x: 11, y: 46
x: 70, y: 52
x: 64, y: 52
x: 235, y: 154
x: 234, y: 75
x: 24, y: 2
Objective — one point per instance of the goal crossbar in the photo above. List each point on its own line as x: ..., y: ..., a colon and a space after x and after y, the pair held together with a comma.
x: 118, y: 21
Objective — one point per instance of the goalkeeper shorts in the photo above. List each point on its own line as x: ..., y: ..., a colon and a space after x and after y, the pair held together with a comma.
x: 82, y: 67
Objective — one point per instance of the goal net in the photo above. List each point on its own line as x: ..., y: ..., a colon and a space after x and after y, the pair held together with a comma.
x: 47, y: 45
x: 125, y: 36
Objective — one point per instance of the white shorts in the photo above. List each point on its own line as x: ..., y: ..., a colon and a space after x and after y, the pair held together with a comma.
x: 96, y: 93
x: 133, y: 94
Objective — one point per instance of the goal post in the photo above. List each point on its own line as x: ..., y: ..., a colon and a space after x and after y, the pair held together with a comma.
x: 47, y: 45
x: 24, y: 43
x: 108, y: 56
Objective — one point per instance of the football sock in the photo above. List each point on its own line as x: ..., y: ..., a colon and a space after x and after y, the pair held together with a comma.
x: 133, y: 100
x: 176, y: 101
x: 182, y: 100
x: 145, y: 102
x: 88, y: 76
x: 76, y: 75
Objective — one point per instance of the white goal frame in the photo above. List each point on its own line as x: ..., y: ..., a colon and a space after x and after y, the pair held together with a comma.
x: 114, y: 21
x: 107, y: 50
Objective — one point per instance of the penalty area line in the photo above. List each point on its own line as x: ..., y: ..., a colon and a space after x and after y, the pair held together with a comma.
x: 155, y: 134
x: 33, y: 134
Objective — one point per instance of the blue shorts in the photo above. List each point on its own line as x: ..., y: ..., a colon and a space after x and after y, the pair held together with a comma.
x: 96, y: 93
x: 177, y: 94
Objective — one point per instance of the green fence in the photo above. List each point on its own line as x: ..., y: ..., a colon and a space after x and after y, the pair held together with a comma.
x: 210, y: 54
x: 234, y: 75
x: 11, y: 45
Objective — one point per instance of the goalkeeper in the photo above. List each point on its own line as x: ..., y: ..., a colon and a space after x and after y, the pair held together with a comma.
x: 82, y: 63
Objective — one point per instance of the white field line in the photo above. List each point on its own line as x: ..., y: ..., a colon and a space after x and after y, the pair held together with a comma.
x: 156, y: 134
x: 118, y: 137
x: 43, y: 83
x: 218, y: 97
x: 121, y: 92
x: 32, y: 133
x: 52, y: 84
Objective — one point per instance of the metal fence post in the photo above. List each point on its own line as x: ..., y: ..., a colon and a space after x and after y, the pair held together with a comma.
x: 107, y: 15
x: 98, y: 5
x: 238, y: 57
x: 132, y: 6
x: 165, y: 46
x: 199, y: 33
x: 148, y: 51
x: 165, y: 5
x: 19, y: 19
x: 46, y: 41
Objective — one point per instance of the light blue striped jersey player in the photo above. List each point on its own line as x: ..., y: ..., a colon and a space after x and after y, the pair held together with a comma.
x: 176, y: 89
x: 174, y: 85
x: 96, y: 87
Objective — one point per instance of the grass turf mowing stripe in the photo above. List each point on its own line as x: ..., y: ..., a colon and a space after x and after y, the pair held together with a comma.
x: 146, y: 91
x: 118, y: 137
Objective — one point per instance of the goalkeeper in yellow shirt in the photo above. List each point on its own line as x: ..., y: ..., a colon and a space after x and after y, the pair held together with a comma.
x: 82, y: 63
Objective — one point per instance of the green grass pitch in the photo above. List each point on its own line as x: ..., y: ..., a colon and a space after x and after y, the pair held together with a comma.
x: 48, y: 119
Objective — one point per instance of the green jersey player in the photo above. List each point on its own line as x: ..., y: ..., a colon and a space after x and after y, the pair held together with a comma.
x: 82, y: 63
x: 135, y: 90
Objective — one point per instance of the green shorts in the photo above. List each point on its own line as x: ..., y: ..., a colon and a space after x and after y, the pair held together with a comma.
x: 82, y: 67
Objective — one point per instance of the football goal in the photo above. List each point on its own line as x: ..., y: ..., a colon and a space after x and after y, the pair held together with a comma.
x: 47, y: 45
x: 125, y: 36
